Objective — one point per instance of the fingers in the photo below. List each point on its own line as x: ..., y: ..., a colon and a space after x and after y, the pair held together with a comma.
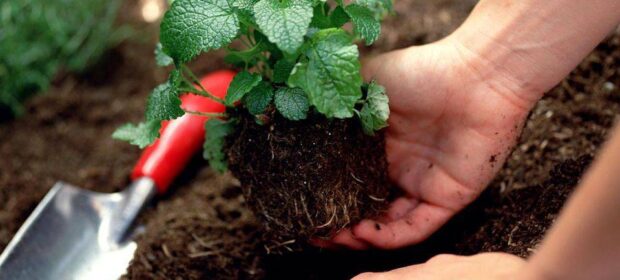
x: 346, y: 238
x: 411, y: 228
x: 400, y: 207
x: 408, y: 272
x: 324, y: 244
x: 342, y: 239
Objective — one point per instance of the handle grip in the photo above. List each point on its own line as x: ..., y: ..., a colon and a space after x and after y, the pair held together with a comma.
x: 181, y: 138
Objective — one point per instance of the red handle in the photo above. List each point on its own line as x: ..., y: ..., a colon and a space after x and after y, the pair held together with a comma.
x: 182, y: 137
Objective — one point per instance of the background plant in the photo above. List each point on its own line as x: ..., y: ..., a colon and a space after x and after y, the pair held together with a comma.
x: 37, y: 37
x: 297, y: 55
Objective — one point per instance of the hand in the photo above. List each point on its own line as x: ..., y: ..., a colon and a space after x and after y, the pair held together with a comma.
x: 486, y: 266
x: 453, y: 121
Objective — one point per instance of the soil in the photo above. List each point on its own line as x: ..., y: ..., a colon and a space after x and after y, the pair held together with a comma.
x: 203, y: 227
x: 308, y: 179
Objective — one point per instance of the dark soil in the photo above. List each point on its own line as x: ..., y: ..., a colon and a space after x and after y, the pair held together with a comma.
x: 308, y: 179
x: 65, y: 136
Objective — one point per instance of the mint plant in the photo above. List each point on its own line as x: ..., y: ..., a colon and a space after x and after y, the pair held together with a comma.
x: 297, y: 56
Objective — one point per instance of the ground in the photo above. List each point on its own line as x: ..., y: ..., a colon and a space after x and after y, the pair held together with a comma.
x: 202, y: 229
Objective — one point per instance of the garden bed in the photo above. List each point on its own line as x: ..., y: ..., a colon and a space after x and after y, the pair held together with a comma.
x: 202, y: 228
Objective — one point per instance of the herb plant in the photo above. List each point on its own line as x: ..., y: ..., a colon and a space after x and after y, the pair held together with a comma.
x: 298, y: 56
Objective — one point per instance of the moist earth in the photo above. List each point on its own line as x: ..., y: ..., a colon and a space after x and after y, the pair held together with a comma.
x: 204, y: 229
x: 307, y: 179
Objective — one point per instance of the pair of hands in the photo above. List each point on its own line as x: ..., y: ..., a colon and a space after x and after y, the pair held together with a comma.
x: 451, y: 128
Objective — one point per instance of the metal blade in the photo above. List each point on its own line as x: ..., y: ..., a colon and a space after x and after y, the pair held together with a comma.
x: 76, y: 234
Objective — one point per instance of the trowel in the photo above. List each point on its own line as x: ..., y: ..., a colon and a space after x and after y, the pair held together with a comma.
x: 79, y: 234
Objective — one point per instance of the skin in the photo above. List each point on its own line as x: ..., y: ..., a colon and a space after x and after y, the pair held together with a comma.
x: 583, y: 244
x: 449, y: 267
x: 458, y: 106
x: 461, y: 102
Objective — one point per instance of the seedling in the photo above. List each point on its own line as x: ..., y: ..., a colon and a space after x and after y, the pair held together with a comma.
x: 299, y: 129
x: 297, y: 56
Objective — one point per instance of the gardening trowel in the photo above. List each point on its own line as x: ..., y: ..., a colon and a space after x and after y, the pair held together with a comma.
x: 80, y: 234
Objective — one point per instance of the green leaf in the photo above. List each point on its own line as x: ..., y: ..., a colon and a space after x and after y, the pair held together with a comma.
x: 241, y: 84
x: 284, y: 22
x: 282, y: 70
x: 339, y: 17
x: 257, y: 100
x: 320, y: 19
x: 194, y: 26
x: 164, y: 102
x: 376, y: 109
x: 216, y: 132
x: 331, y: 78
x: 299, y: 76
x: 364, y: 22
x: 161, y: 58
x: 246, y: 5
x: 142, y: 135
x: 380, y: 8
x: 292, y: 103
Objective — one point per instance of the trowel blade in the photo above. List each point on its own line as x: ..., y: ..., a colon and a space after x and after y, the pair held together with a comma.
x: 76, y: 234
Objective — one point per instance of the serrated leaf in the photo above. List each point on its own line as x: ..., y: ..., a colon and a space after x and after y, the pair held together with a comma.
x: 365, y: 24
x: 292, y: 103
x: 282, y: 70
x: 246, y: 5
x: 164, y: 102
x: 241, y: 84
x: 142, y: 135
x: 257, y: 100
x: 331, y: 78
x: 161, y: 58
x: 216, y: 132
x: 376, y: 109
x: 194, y: 26
x: 284, y: 22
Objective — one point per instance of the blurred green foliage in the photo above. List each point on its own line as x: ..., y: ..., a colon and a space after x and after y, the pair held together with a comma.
x: 38, y: 37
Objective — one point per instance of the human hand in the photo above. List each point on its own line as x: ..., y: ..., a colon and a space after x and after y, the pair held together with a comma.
x: 453, y: 121
x: 486, y: 266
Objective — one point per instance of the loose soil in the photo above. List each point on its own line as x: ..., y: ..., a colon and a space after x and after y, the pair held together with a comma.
x: 308, y: 179
x: 203, y: 227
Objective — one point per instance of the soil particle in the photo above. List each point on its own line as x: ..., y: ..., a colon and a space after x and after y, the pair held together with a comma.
x: 311, y: 178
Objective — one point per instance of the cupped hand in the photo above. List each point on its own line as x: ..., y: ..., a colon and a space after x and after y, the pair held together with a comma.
x: 454, y: 118
x: 488, y: 266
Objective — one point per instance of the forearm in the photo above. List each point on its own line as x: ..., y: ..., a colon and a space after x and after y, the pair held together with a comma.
x: 585, y: 241
x: 528, y: 46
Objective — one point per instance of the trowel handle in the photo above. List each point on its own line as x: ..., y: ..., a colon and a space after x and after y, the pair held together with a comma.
x: 181, y: 138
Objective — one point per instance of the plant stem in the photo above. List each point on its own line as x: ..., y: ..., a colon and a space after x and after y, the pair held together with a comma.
x: 203, y: 91
x: 204, y: 114
x: 246, y: 42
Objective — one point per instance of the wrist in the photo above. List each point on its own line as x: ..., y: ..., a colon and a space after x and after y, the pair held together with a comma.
x: 501, y: 63
x: 529, y: 46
